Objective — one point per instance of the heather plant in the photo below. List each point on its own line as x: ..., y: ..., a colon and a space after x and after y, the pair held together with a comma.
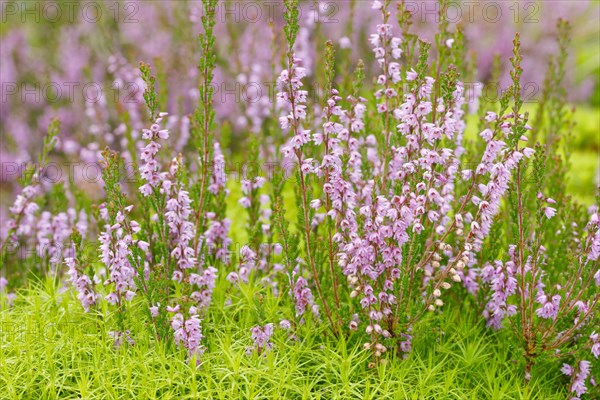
x: 40, y: 221
x: 394, y: 201
x: 398, y: 216
x: 172, y: 263
x: 546, y: 282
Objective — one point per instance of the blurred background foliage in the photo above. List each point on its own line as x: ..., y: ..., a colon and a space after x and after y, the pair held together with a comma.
x: 97, y: 45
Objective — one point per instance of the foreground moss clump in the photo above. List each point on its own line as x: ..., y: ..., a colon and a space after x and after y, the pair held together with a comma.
x: 51, y: 349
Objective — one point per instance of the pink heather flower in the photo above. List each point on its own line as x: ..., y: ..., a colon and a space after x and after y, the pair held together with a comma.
x: 487, y: 135
x: 205, y: 284
x: 490, y: 116
x: 154, y: 310
x: 52, y: 233
x: 567, y: 369
x: 302, y: 296
x: 549, y: 308
x: 118, y: 338
x: 149, y: 170
x: 188, y: 333
x: 83, y: 284
x: 218, y: 177
x: 406, y: 343
x: 22, y: 222
x: 504, y: 284
x: 248, y: 261
x: 578, y: 386
x: 262, y: 337
x: 232, y: 277
x: 528, y: 152
x: 181, y: 230
x: 411, y: 75
x: 217, y: 237
x: 290, y: 83
x: 594, y: 242
x: 596, y: 349
x: 285, y: 324
x: 173, y: 309
x: 115, y: 247
x: 549, y: 212
x: 595, y: 338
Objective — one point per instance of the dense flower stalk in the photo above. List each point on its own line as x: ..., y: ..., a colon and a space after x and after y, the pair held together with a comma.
x: 262, y: 337
x: 188, y: 333
x: 116, y: 253
x: 84, y: 285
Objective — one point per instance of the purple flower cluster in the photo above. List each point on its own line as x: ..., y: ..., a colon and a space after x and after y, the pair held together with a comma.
x: 548, y: 306
x: 595, y: 341
x: 52, y: 232
x: 262, y: 337
x: 501, y: 278
x: 22, y: 222
x: 292, y: 97
x: 594, y: 242
x: 181, y: 230
x: 303, y: 296
x: 578, y: 378
x: 116, y: 244
x: 188, y: 332
x: 217, y: 235
x: 149, y: 171
x: 82, y: 283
